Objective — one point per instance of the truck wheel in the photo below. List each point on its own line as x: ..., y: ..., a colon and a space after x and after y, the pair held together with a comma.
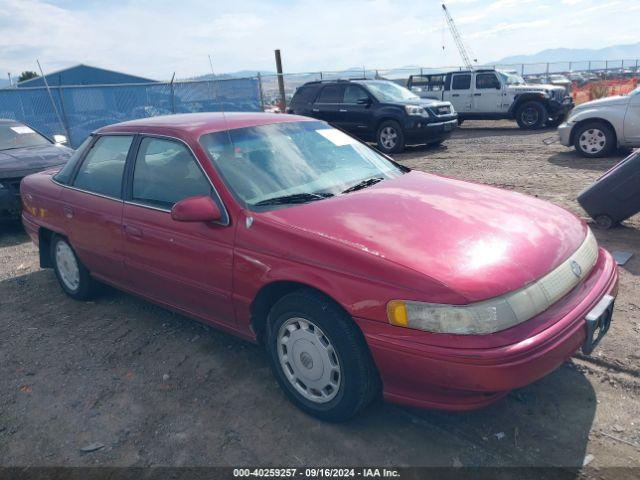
x: 72, y: 275
x: 460, y: 121
x: 594, y: 140
x: 390, y: 138
x: 320, y: 357
x: 531, y: 115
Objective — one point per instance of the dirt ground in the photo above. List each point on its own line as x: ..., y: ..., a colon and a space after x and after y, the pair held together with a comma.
x: 155, y: 388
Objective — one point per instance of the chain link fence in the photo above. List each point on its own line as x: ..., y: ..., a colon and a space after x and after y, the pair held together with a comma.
x: 580, y: 71
x: 76, y: 111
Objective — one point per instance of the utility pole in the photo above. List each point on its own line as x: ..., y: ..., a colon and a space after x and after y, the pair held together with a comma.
x: 283, y: 100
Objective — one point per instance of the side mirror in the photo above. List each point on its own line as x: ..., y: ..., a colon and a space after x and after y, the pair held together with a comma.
x: 196, y: 209
x: 60, y: 139
x: 363, y: 101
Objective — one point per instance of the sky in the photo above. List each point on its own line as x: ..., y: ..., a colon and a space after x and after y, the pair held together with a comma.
x: 154, y: 38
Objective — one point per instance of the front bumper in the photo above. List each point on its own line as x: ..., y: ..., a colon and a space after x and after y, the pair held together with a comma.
x: 563, y: 108
x: 564, y: 132
x: 425, y: 130
x: 424, y: 375
x: 10, y: 204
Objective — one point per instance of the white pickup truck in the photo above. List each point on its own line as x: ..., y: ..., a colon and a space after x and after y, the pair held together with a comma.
x: 599, y: 127
x: 488, y: 94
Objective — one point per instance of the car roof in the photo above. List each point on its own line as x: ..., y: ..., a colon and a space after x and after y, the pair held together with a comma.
x: 197, y: 124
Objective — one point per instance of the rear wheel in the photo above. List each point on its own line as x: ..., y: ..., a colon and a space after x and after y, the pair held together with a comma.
x: 72, y: 275
x: 594, y: 140
x: 319, y: 357
x: 390, y: 137
x: 531, y: 115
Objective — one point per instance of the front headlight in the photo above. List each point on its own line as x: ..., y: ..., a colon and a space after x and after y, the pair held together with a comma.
x: 416, y: 110
x: 477, y: 319
x: 502, y: 312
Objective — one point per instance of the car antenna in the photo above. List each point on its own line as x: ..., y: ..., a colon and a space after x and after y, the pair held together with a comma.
x: 53, y: 103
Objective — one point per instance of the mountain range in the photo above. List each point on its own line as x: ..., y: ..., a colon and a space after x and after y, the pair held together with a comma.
x: 614, y: 52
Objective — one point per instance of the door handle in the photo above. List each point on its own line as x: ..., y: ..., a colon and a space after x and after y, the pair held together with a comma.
x: 342, y: 110
x: 133, y: 231
x: 477, y: 94
x: 68, y: 211
x: 315, y: 109
x: 455, y: 94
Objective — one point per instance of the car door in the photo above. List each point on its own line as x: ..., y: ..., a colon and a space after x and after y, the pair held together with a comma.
x: 187, y: 265
x: 328, y: 103
x: 354, y: 113
x: 632, y: 120
x: 461, y: 92
x: 487, y: 96
x: 92, y: 204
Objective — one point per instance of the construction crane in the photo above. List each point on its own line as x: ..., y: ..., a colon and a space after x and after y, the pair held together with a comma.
x: 458, y: 39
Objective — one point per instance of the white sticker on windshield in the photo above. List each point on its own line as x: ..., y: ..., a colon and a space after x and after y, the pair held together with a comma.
x: 337, y: 137
x: 22, y: 129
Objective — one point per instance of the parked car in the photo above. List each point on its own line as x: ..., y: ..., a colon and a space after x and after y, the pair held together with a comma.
x: 488, y: 94
x: 599, y: 127
x: 376, y: 110
x: 23, y: 151
x: 358, y: 274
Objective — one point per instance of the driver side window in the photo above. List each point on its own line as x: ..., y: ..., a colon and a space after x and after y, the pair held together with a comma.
x: 487, y: 81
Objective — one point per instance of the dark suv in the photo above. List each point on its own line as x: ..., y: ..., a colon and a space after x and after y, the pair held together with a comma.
x: 376, y: 110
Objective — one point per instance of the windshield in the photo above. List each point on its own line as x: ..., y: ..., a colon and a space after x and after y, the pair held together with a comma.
x: 300, y: 161
x: 512, y: 78
x: 20, y: 136
x: 390, y: 92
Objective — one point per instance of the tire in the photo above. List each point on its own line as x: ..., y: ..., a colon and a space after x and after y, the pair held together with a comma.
x: 604, y: 222
x: 594, y: 139
x: 531, y: 115
x: 389, y: 137
x: 325, y: 339
x: 72, y: 275
x: 460, y: 121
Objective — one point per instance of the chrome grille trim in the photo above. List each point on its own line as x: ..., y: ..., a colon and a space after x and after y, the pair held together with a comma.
x: 540, y: 295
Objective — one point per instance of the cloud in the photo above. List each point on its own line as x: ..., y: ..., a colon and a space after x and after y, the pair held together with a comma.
x: 154, y: 38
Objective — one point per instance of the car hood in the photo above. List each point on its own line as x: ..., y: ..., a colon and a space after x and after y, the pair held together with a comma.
x: 19, y: 162
x: 538, y: 87
x: 423, y: 102
x: 479, y: 241
x: 603, y: 102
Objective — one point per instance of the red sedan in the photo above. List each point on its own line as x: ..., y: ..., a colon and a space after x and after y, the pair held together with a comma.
x: 359, y: 275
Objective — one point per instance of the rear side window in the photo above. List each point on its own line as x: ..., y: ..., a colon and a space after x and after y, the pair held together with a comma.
x: 487, y: 81
x: 353, y: 93
x: 165, y: 173
x: 305, y: 94
x: 101, y: 171
x: 65, y: 174
x: 461, y: 82
x: 331, y: 94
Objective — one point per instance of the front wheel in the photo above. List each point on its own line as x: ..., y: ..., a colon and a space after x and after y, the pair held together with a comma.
x: 531, y: 115
x: 72, y: 275
x: 390, y: 138
x: 319, y: 357
x: 594, y: 140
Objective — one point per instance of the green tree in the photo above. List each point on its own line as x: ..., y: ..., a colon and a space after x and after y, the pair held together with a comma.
x: 27, y: 75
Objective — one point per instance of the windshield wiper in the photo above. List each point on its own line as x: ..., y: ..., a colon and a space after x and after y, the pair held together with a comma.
x: 293, y: 198
x: 363, y: 184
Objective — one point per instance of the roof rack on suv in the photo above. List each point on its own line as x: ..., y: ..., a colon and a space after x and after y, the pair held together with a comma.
x: 338, y: 80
